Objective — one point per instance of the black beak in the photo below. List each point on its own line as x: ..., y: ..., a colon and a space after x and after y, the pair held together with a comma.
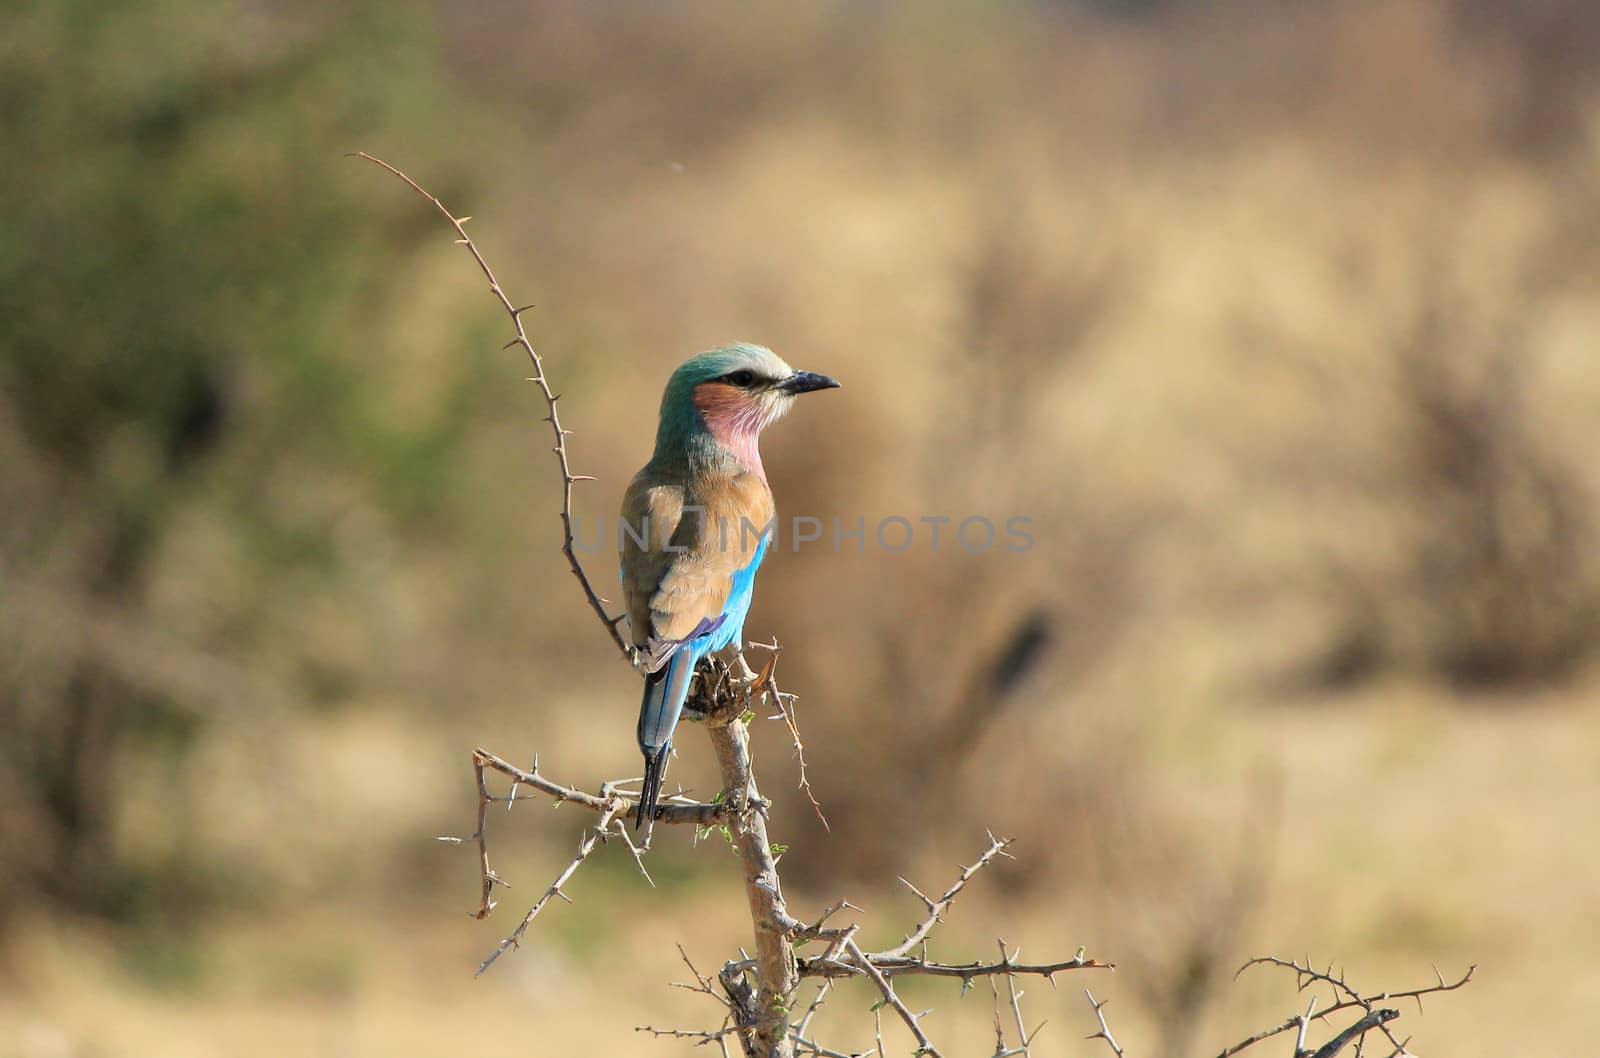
x: 805, y: 382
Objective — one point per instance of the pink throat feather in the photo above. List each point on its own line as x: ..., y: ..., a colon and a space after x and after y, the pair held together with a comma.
x: 734, y: 420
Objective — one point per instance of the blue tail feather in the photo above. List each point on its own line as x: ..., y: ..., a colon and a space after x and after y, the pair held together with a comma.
x: 655, y: 770
x: 664, y: 694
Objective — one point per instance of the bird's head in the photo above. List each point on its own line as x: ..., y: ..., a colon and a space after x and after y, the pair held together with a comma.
x: 731, y: 394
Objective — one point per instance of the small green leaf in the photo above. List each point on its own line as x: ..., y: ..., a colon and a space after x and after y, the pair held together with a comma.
x: 747, y: 716
x: 776, y: 849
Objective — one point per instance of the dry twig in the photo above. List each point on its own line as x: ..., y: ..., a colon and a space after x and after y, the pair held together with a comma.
x: 613, y: 805
x: 1023, y: 1035
x: 895, y: 966
x: 913, y: 1021
x: 1372, y: 1019
x: 1306, y: 975
x: 843, y: 957
x: 677, y: 809
x: 553, y: 417
x: 591, y: 839
x: 1105, y: 1029
x: 766, y: 682
x: 937, y: 908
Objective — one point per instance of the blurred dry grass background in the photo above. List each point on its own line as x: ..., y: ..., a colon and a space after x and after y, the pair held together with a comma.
x: 1278, y: 320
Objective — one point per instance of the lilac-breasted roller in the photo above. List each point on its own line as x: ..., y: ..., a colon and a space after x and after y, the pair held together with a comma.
x: 696, y: 523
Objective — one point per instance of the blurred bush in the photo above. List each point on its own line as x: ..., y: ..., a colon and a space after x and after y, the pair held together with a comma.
x: 188, y: 282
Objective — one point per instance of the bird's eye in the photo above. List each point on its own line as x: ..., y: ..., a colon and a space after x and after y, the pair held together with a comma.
x: 741, y: 378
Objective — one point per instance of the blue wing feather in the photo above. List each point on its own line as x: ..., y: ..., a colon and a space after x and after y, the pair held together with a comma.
x: 666, y: 688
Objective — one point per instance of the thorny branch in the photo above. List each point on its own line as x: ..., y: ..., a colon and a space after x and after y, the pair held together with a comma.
x: 677, y: 809
x: 553, y: 417
x: 1346, y: 997
x: 1373, y: 1016
x: 766, y: 681
x: 702, y: 984
x: 756, y: 991
x: 590, y: 840
x: 937, y: 908
x: 843, y: 957
x: 1105, y: 1029
x: 913, y: 1021
x: 762, y: 1005
x: 612, y: 802
x: 1373, y: 1019
x: 1023, y: 1035
x: 966, y: 971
